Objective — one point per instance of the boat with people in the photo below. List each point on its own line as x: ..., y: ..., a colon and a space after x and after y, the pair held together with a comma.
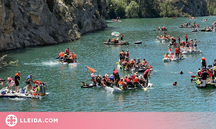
x: 186, y: 50
x: 21, y: 93
x: 67, y: 58
x: 208, y: 84
x: 117, y: 43
x: 116, y: 40
x: 163, y: 39
x: 171, y: 57
x: 162, y: 28
x: 120, y: 90
x: 194, y: 30
x: 116, y: 20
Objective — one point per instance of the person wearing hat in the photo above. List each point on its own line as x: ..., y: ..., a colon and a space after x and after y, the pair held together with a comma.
x: 204, y: 63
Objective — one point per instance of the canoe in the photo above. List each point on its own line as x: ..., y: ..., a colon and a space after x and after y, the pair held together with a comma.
x: 138, y: 42
x: 162, y: 40
x: 87, y: 86
x: 194, y: 30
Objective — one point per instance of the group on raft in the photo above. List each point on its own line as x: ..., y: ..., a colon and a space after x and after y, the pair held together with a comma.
x: 162, y: 28
x: 205, y: 73
x: 188, y: 44
x: 187, y: 24
x: 67, y: 56
x: 133, y: 63
x: 114, y: 79
x: 164, y: 37
x: 116, y: 20
x: 33, y: 90
x: 208, y: 28
x: 115, y: 40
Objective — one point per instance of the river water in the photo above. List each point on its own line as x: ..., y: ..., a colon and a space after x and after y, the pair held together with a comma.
x: 64, y: 82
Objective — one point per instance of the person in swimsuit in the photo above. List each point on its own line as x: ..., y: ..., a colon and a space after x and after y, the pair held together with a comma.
x: 28, y: 82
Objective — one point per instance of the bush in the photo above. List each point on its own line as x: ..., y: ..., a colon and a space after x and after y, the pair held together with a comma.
x: 132, y: 10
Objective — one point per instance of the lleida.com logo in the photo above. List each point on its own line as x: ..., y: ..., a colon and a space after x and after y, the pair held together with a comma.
x: 11, y: 120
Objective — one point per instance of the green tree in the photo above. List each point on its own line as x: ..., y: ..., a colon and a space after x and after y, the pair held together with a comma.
x: 132, y: 10
x: 120, y: 10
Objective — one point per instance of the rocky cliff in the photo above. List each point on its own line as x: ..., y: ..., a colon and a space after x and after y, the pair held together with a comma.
x: 26, y: 23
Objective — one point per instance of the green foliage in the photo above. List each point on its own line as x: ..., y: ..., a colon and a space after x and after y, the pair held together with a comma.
x: 5, y: 62
x: 132, y: 10
x: 120, y: 10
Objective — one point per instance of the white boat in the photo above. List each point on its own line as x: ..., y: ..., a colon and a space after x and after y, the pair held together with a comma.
x: 162, y: 40
x: 174, y: 59
x: 192, y: 52
x: 21, y: 93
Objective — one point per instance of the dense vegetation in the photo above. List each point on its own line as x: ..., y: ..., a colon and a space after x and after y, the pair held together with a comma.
x: 151, y: 8
x: 211, y: 6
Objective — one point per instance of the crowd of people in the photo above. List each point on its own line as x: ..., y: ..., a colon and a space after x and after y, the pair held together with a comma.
x: 67, y: 56
x: 115, y: 39
x: 162, y: 28
x: 133, y: 80
x: 187, y: 24
x: 128, y: 64
x: 116, y: 20
x: 207, y: 73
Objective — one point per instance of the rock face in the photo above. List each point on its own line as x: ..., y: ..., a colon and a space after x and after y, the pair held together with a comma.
x: 192, y: 7
x: 26, y: 23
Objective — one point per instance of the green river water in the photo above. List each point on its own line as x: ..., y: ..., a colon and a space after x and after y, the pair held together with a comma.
x: 64, y: 82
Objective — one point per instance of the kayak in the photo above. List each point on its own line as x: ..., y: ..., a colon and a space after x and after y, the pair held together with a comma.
x: 138, y: 42
x: 21, y: 93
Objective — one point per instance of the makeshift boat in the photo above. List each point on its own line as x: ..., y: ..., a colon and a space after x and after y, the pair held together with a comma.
x: 69, y: 62
x: 162, y: 40
x: 120, y: 43
x: 21, y: 93
x: 137, y: 69
x: 208, y: 84
x: 165, y: 59
x: 194, y: 30
x: 191, y: 52
x: 119, y: 90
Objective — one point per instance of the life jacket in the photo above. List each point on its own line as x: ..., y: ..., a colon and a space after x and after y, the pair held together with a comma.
x: 135, y: 80
x: 186, y: 37
x: 17, y: 75
x: 177, y: 50
x: 74, y: 56
x: 61, y: 54
x: 115, y: 71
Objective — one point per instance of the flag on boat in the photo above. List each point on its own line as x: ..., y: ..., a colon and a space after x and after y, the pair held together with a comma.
x: 91, y: 70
